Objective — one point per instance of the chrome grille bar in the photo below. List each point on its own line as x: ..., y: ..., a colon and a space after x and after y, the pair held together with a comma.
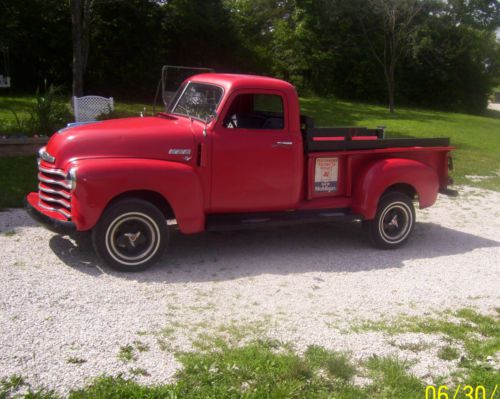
x: 62, y: 211
x: 51, y: 198
x: 57, y: 172
x: 51, y: 191
x: 55, y: 200
x: 62, y: 183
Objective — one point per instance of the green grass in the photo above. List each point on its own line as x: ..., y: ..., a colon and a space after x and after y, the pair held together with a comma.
x: 19, y: 104
x: 477, y: 138
x: 261, y: 369
x: 126, y: 353
x: 478, y: 334
x: 17, y: 178
x: 139, y: 371
x: 448, y: 353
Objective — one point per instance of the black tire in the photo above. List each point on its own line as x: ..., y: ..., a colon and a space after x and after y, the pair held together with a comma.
x: 131, y: 235
x: 393, y: 223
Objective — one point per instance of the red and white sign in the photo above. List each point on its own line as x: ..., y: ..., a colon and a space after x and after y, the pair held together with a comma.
x: 326, y: 174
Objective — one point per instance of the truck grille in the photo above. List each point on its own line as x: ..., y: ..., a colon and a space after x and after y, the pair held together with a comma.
x: 54, y: 190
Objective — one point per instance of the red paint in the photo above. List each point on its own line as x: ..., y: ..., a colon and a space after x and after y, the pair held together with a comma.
x: 228, y: 170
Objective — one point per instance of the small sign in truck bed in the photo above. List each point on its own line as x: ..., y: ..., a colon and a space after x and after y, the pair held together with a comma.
x: 230, y: 151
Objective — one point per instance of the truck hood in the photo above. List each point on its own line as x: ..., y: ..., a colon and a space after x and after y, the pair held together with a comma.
x: 149, y: 137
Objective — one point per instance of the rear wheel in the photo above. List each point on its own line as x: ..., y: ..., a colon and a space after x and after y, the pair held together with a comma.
x: 131, y: 235
x: 393, y: 222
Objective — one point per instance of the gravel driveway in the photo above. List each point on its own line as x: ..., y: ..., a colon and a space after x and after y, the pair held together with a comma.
x: 64, y: 317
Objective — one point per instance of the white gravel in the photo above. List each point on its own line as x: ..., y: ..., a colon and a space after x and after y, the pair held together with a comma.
x: 304, y: 285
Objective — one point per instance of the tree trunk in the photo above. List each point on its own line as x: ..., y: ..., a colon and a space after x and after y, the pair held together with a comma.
x: 78, y: 46
x: 391, y: 87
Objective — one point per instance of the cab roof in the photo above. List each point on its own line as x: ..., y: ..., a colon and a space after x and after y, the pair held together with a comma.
x: 233, y: 81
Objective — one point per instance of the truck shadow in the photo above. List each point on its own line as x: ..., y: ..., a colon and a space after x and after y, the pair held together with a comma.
x: 286, y: 250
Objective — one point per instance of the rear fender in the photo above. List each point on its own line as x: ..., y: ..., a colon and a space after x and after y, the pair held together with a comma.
x: 99, y: 181
x: 372, y: 182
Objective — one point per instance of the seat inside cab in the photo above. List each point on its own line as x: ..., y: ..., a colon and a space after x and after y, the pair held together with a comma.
x: 255, y: 111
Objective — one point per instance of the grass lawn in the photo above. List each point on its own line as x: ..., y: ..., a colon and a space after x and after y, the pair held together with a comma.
x: 17, y: 178
x: 477, y: 138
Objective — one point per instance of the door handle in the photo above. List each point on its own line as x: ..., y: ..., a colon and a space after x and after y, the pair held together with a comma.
x: 283, y: 143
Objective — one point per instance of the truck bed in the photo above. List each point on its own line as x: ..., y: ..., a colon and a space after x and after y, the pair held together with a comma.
x: 359, y: 138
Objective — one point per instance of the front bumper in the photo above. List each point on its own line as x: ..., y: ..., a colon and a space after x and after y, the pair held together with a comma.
x: 51, y: 220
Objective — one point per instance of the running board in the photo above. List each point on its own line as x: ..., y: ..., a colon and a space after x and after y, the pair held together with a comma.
x: 238, y: 221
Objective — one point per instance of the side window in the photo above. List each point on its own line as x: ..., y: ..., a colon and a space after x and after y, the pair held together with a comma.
x: 256, y: 111
x: 268, y: 103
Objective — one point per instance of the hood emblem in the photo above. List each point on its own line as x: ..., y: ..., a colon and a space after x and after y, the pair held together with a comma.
x: 179, y: 151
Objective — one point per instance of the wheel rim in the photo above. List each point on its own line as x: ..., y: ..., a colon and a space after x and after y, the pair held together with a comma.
x: 395, y: 222
x: 132, y: 238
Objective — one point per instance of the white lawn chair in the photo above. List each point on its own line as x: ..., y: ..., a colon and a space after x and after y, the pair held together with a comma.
x: 88, y: 108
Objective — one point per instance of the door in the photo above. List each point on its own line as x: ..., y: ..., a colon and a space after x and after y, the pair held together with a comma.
x: 254, y: 156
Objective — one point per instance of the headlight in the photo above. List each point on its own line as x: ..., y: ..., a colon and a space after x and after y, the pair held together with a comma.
x: 71, y: 177
x: 45, y: 155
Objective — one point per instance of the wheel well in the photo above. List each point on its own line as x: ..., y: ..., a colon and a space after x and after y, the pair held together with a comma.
x: 402, y: 188
x: 153, y: 197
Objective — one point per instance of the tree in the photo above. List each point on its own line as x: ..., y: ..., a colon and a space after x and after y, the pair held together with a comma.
x: 38, y: 35
x: 452, y: 66
x: 395, y: 25
x: 480, y: 14
x: 128, y: 48
x: 80, y: 19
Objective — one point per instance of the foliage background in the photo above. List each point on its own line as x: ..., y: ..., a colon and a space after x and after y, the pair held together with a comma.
x: 325, y: 47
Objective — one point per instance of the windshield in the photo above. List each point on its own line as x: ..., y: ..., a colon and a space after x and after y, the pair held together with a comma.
x: 196, y: 100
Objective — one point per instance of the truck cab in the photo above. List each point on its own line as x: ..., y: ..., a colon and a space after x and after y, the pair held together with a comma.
x: 230, y: 151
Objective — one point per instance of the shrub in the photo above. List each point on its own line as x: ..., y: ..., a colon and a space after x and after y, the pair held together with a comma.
x: 47, y: 115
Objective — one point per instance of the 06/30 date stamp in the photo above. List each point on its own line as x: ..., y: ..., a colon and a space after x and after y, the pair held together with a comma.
x: 460, y: 391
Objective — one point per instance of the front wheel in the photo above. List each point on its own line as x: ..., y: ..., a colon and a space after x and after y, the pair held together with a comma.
x: 393, y: 222
x: 131, y: 235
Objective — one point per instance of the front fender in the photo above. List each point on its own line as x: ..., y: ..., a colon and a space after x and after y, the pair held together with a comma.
x: 370, y: 183
x: 101, y: 180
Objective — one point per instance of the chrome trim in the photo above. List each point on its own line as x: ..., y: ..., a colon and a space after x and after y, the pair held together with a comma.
x: 61, y: 211
x: 42, y: 153
x: 58, y: 172
x: 75, y: 124
x: 55, y: 200
x: 50, y: 191
x: 179, y: 151
x: 71, y: 178
x: 62, y: 183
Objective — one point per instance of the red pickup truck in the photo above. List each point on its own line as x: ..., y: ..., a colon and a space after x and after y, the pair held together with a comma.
x: 230, y: 151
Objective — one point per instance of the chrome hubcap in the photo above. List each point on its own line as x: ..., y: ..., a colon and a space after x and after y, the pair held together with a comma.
x: 133, y: 238
x: 395, y: 222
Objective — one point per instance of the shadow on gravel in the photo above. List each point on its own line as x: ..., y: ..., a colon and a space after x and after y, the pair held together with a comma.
x: 286, y: 250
